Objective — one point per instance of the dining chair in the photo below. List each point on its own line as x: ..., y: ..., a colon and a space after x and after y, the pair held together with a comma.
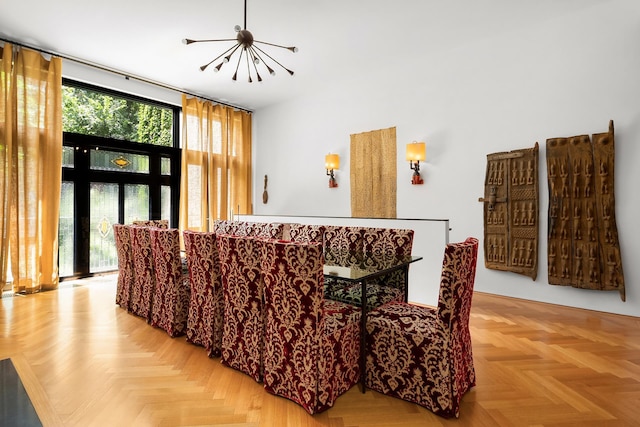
x: 159, y: 223
x: 125, y: 266
x: 145, y: 277
x: 171, y: 299
x: 267, y: 230
x: 308, y: 233
x: 343, y: 246
x: 312, y: 345
x: 204, y: 320
x: 242, y: 333
x: 221, y: 226
x: 423, y: 354
x: 381, y: 247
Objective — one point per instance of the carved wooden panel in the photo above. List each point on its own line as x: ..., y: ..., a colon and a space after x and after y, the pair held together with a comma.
x: 511, y: 212
x: 583, y: 249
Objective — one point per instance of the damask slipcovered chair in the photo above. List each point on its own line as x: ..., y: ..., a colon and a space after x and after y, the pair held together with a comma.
x: 159, y: 223
x: 343, y: 246
x: 307, y: 233
x: 125, y: 265
x: 421, y: 354
x: 204, y: 322
x: 267, y: 230
x: 381, y: 248
x: 171, y: 299
x: 312, y: 345
x: 145, y: 277
x: 242, y: 333
x: 221, y: 226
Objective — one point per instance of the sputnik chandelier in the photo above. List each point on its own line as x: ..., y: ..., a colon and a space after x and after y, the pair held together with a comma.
x: 252, y: 54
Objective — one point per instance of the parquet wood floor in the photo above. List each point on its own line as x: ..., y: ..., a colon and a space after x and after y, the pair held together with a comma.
x: 86, y: 362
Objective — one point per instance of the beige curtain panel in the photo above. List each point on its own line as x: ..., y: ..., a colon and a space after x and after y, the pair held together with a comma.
x: 31, y: 157
x: 216, y: 164
x: 374, y: 174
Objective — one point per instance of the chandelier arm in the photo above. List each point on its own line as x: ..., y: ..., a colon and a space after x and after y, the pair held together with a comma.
x: 189, y: 41
x: 263, y: 62
x: 235, y: 75
x: 220, y: 56
x: 248, y: 66
x: 253, y: 61
x: 274, y: 60
x: 291, y: 48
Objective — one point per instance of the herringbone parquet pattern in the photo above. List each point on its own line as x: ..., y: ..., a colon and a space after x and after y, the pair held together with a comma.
x: 86, y: 362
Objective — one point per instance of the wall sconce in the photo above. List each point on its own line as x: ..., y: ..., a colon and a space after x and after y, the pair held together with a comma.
x: 331, y: 163
x: 416, y: 151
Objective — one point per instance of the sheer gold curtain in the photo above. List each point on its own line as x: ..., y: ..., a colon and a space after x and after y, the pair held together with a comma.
x: 216, y: 163
x: 373, y: 174
x: 31, y: 144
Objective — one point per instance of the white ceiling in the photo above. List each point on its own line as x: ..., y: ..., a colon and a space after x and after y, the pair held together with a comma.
x: 337, y: 39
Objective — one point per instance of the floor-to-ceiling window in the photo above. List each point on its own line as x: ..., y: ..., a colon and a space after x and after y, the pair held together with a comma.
x: 120, y: 163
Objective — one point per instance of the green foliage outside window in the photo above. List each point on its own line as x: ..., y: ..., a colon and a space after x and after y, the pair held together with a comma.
x: 94, y: 113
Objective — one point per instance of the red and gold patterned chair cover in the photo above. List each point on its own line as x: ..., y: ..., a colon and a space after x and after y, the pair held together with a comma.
x: 171, y: 299
x: 306, y: 233
x: 381, y: 246
x: 145, y: 277
x: 423, y: 355
x: 242, y: 333
x: 267, y: 230
x: 125, y: 266
x: 312, y: 345
x: 204, y: 322
x: 343, y: 246
x: 383, y: 243
x: 159, y: 223
x: 221, y: 226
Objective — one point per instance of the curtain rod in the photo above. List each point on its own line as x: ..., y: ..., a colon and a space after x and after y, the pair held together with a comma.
x: 121, y: 73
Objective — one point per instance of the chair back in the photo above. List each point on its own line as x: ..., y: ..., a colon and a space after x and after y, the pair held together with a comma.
x: 159, y: 223
x: 294, y: 320
x: 221, y: 226
x: 242, y: 287
x: 267, y: 230
x: 456, y: 285
x: 172, y: 291
x: 125, y: 265
x: 204, y: 321
x: 145, y: 277
x: 343, y: 245
x: 306, y: 233
x: 387, y: 242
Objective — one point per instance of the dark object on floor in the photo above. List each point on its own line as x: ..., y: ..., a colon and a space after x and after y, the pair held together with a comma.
x: 15, y: 406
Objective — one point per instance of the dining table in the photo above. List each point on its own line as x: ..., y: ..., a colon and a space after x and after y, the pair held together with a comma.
x: 369, y: 273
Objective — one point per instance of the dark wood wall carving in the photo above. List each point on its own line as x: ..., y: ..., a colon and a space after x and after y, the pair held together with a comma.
x: 583, y: 249
x: 511, y: 211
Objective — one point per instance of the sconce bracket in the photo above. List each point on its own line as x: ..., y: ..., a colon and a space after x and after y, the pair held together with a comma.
x: 416, y: 179
x: 332, y: 179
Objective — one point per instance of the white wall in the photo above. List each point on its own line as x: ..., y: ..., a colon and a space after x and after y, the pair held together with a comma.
x: 562, y: 76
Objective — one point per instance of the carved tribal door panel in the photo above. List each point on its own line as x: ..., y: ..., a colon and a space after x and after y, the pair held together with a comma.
x: 511, y: 211
x: 583, y: 249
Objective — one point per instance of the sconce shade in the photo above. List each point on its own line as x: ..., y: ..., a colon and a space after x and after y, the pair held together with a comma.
x: 332, y: 162
x: 416, y: 151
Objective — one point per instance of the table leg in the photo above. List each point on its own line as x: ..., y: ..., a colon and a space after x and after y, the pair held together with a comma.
x: 363, y: 337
